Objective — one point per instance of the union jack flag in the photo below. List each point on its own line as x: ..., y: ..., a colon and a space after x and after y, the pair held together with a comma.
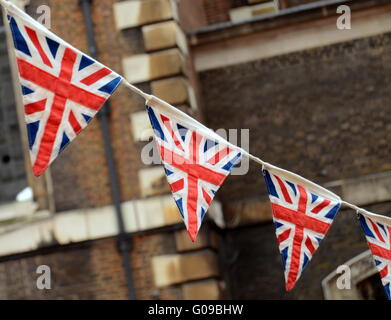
x: 302, y: 219
x: 377, y: 230
x: 62, y: 89
x: 195, y: 166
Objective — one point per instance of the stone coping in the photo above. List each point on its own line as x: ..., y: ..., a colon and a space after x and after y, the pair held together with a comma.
x: 43, y: 229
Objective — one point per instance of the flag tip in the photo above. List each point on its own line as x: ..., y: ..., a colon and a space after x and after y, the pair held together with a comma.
x: 38, y: 171
x: 193, y: 236
x: 289, y: 286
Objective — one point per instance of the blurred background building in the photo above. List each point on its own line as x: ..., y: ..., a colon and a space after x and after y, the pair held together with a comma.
x: 317, y: 102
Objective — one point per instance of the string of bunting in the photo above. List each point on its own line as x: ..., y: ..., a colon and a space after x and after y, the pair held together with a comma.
x: 63, y: 89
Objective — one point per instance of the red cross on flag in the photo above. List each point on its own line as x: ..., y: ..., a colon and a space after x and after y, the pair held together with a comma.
x: 62, y: 88
x: 196, y: 160
x: 377, y: 230
x: 302, y: 214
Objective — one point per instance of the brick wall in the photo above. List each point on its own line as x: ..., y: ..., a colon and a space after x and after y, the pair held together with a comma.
x: 322, y: 113
x: 217, y: 11
x: 91, y: 270
x: 311, y: 112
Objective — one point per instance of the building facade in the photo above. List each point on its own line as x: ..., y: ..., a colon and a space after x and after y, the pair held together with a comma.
x: 315, y: 99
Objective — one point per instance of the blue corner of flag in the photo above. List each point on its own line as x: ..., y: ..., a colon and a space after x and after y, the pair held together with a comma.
x: 64, y: 142
x: 111, y: 86
x: 26, y: 91
x: 85, y: 62
x: 53, y: 46
x: 87, y: 118
x: 155, y: 124
x: 19, y: 41
x: 32, y: 130
x: 180, y: 206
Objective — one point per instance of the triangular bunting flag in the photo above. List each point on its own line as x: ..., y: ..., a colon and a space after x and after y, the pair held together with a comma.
x: 377, y: 230
x: 62, y: 88
x: 196, y: 165
x: 302, y: 214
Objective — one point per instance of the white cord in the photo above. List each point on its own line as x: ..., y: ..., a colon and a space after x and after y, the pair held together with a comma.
x: 354, y: 207
x: 146, y: 96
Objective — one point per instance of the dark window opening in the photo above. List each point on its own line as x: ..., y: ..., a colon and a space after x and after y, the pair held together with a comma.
x: 6, y: 159
x: 371, y: 288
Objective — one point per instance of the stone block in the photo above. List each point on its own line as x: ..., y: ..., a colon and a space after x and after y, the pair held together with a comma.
x: 153, y: 181
x: 160, y: 35
x: 44, y: 229
x: 356, y: 190
x: 146, y: 67
x: 201, y: 290
x: 150, y: 213
x: 71, y: 227
x: 16, y: 210
x: 167, y: 270
x: 157, y: 212
x: 180, y: 268
x: 28, y: 238
x: 248, y: 12
x: 172, y: 90
x: 164, y: 35
x: 101, y: 223
x: 141, y: 126
x: 171, y: 212
x: 248, y: 212
x: 183, y: 242
x: 129, y: 215
x: 128, y: 14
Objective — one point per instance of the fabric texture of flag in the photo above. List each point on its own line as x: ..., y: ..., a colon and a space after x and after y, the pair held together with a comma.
x: 62, y: 88
x: 377, y: 230
x: 195, y: 159
x: 302, y: 214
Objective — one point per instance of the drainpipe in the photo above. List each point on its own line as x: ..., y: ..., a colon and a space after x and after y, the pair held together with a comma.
x: 123, y: 243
